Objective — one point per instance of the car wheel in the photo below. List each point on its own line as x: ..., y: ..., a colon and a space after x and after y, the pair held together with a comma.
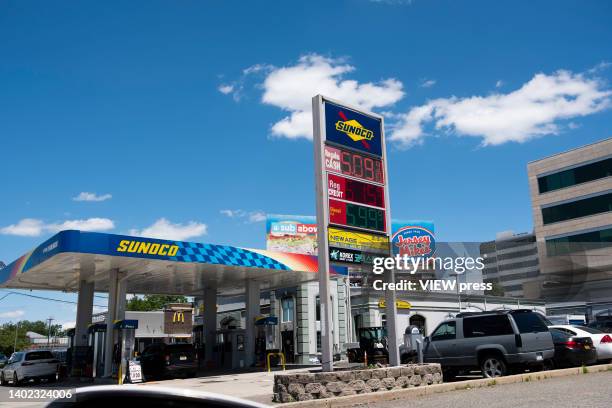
x: 52, y: 378
x: 15, y: 379
x: 493, y: 366
x: 2, y: 379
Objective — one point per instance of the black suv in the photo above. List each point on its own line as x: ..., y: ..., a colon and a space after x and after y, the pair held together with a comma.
x: 160, y: 360
x: 494, y: 342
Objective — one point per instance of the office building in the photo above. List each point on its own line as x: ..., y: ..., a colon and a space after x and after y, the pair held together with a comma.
x: 571, y: 196
x: 511, y: 263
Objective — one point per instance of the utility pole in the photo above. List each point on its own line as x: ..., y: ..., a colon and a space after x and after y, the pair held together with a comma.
x: 50, y: 319
x: 15, y: 344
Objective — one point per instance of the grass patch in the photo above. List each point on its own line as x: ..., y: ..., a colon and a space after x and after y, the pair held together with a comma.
x: 585, y: 370
x: 492, y: 383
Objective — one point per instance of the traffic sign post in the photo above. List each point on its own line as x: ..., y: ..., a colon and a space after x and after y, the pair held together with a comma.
x: 353, y: 216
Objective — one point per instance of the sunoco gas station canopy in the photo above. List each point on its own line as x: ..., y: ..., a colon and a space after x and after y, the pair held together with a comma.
x: 154, y: 265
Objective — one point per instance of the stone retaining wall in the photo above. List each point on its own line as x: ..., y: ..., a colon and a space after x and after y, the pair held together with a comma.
x: 308, y: 386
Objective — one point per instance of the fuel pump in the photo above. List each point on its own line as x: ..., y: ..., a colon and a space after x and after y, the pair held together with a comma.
x: 126, y: 331
x: 412, y: 349
x: 96, y: 338
x: 266, y: 340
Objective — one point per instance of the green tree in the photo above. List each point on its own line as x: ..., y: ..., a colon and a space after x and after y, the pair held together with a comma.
x: 7, y: 334
x: 149, y: 303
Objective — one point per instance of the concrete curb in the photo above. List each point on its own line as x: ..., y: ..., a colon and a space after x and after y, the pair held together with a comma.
x: 408, y: 393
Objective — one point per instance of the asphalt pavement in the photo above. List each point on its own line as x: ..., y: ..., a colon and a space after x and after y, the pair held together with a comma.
x: 584, y: 391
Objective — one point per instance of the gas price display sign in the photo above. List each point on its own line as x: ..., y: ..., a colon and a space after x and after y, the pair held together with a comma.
x: 350, y: 156
x: 353, y: 217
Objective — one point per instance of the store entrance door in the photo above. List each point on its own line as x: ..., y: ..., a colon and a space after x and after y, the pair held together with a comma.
x: 287, y: 346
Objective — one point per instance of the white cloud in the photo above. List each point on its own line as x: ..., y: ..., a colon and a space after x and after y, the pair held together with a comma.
x: 89, y: 224
x: 27, y: 227
x: 250, y: 216
x: 602, y: 66
x: 68, y: 325
x: 291, y: 89
x: 257, y: 216
x: 428, y: 83
x: 226, y: 89
x: 233, y: 213
x: 31, y: 227
x: 164, y: 229
x: 535, y: 109
x: 85, y: 196
x: 12, y: 314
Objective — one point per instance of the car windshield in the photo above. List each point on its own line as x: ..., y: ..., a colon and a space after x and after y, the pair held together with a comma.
x: 558, y: 335
x: 16, y: 357
x: 39, y: 355
x: 589, y: 330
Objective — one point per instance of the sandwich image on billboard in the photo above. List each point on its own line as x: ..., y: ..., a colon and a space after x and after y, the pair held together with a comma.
x: 295, y: 234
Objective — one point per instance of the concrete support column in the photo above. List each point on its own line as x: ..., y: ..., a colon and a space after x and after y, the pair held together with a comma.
x: 84, y: 302
x: 115, y: 311
x: 210, y: 322
x: 252, y: 301
x: 121, y: 299
x: 111, y: 311
x: 304, y: 328
x: 391, y: 312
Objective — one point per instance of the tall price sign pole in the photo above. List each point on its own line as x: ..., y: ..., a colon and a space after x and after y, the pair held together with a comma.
x: 353, y: 215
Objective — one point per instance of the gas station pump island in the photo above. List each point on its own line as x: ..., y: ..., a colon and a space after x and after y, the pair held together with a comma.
x: 353, y: 222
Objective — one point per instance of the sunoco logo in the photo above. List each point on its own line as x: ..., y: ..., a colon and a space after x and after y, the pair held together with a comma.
x: 354, y: 130
x: 414, y: 241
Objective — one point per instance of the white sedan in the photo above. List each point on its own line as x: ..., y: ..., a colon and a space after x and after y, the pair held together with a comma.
x: 29, y: 365
x: 602, y: 341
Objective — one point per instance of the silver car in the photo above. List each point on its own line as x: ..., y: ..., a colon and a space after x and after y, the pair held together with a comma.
x: 29, y: 365
x: 496, y: 342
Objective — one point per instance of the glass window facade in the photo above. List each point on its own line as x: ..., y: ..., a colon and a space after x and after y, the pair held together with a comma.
x: 579, y: 242
x: 576, y: 209
x: 287, y: 310
x: 517, y: 254
x: 577, y: 175
x: 517, y: 265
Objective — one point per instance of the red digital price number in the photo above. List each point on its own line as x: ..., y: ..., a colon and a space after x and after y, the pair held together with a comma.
x: 355, y: 191
x: 354, y: 164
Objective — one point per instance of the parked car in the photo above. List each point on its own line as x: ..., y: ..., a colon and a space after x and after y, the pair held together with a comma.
x: 602, y: 341
x: 602, y: 325
x: 572, y: 351
x: 161, y: 360
x: 495, y: 342
x: 30, y: 365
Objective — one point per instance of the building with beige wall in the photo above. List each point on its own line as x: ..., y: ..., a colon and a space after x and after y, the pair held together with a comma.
x: 571, y: 194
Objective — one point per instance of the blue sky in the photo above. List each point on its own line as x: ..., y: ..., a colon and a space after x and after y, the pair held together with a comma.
x: 193, y: 116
